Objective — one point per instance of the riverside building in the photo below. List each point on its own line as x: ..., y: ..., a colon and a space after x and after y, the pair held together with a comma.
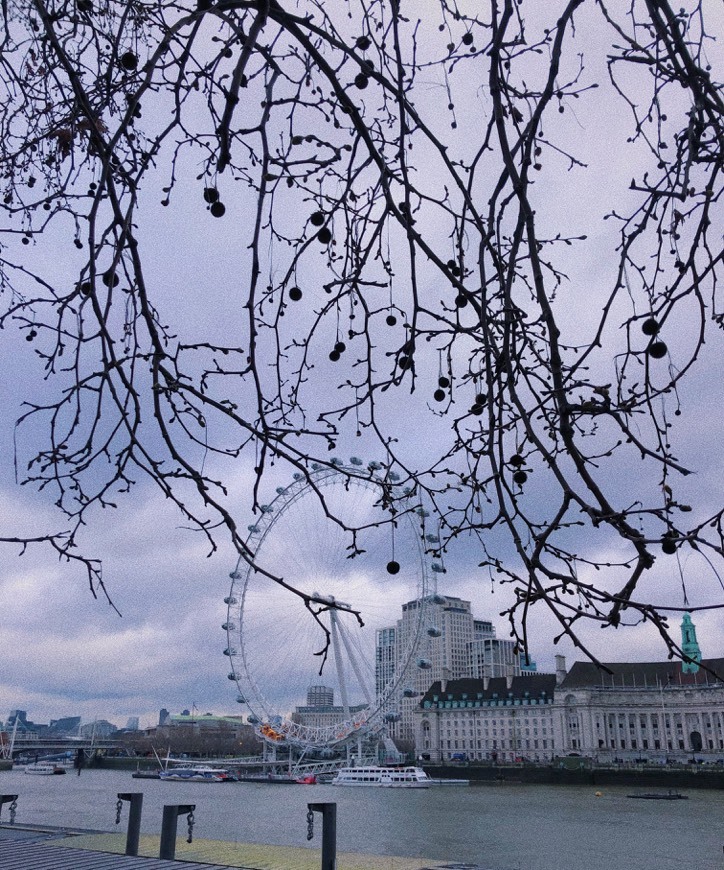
x: 490, y: 719
x: 656, y: 712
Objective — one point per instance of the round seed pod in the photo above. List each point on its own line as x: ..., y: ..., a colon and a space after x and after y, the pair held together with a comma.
x: 657, y: 349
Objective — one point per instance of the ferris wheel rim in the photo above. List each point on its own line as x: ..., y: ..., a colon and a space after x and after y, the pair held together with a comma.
x: 268, y: 721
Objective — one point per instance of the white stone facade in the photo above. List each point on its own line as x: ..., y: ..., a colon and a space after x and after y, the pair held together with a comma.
x: 656, y: 712
x: 487, y: 720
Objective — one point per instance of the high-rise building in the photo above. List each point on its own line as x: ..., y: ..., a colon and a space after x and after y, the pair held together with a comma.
x: 320, y: 696
x: 454, y: 645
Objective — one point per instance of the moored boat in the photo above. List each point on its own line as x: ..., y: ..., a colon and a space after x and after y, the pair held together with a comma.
x: 200, y: 773
x: 44, y: 768
x: 385, y: 777
x: 660, y: 796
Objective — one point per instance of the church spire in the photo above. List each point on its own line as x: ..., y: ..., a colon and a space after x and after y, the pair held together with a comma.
x: 689, y: 645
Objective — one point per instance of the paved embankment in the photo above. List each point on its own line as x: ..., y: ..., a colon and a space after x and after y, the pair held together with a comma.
x: 26, y: 849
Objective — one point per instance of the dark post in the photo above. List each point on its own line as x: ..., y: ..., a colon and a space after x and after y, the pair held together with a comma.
x: 329, y: 833
x: 171, y: 812
x: 12, y: 800
x: 134, y: 819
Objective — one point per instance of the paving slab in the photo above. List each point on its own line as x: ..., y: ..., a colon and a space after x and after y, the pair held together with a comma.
x: 254, y: 856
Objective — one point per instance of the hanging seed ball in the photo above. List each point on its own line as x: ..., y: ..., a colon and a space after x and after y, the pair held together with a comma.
x: 325, y: 235
x: 361, y: 80
x: 317, y: 219
x: 334, y: 355
x: 668, y: 546
x: 516, y: 460
x: 461, y: 300
x: 340, y: 347
x: 657, y: 349
x: 129, y: 60
x: 85, y: 288
x: 363, y: 43
x: 393, y: 567
x: 295, y: 294
x: 85, y: 5
x: 480, y: 399
x: 650, y: 326
x: 476, y: 409
x: 211, y: 195
x: 404, y: 362
x: 467, y: 39
x: 218, y: 209
x: 110, y: 279
x: 443, y: 382
x: 520, y: 477
x: 390, y: 320
x: 439, y: 395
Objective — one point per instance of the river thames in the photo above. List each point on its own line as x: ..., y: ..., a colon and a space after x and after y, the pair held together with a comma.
x: 498, y: 827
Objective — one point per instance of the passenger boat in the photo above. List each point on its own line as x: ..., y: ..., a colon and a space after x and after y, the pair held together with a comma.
x: 386, y: 777
x: 44, y: 768
x: 202, y: 773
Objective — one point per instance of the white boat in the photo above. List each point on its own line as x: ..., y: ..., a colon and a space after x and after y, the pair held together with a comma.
x: 44, y: 768
x: 201, y: 773
x: 386, y: 777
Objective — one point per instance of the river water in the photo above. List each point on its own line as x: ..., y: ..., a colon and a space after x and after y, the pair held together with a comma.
x: 500, y: 827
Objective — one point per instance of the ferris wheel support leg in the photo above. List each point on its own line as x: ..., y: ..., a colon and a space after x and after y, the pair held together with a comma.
x: 334, y: 625
x: 354, y: 663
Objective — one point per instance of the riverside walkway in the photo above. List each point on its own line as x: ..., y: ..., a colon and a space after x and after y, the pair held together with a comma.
x: 26, y: 848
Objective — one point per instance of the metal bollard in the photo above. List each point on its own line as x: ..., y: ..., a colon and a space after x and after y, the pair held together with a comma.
x: 11, y: 799
x: 329, y: 833
x: 134, y: 819
x: 171, y: 812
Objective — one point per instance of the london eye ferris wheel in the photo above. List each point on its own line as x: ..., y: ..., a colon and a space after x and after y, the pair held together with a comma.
x: 331, y: 535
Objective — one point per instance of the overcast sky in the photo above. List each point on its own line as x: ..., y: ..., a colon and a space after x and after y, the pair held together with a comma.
x: 64, y: 653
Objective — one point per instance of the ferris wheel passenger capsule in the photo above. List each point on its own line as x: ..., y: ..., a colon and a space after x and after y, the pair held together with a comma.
x: 437, y: 568
x: 392, y: 717
x: 231, y: 599
x: 252, y: 720
x: 231, y: 676
x: 230, y: 651
x: 240, y: 699
x: 253, y: 528
x: 424, y: 664
x: 355, y: 460
x: 235, y: 575
x: 434, y: 631
x: 408, y: 692
x: 228, y: 626
x: 281, y: 490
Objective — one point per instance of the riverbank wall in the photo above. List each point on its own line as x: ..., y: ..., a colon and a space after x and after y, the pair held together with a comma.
x: 638, y: 777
